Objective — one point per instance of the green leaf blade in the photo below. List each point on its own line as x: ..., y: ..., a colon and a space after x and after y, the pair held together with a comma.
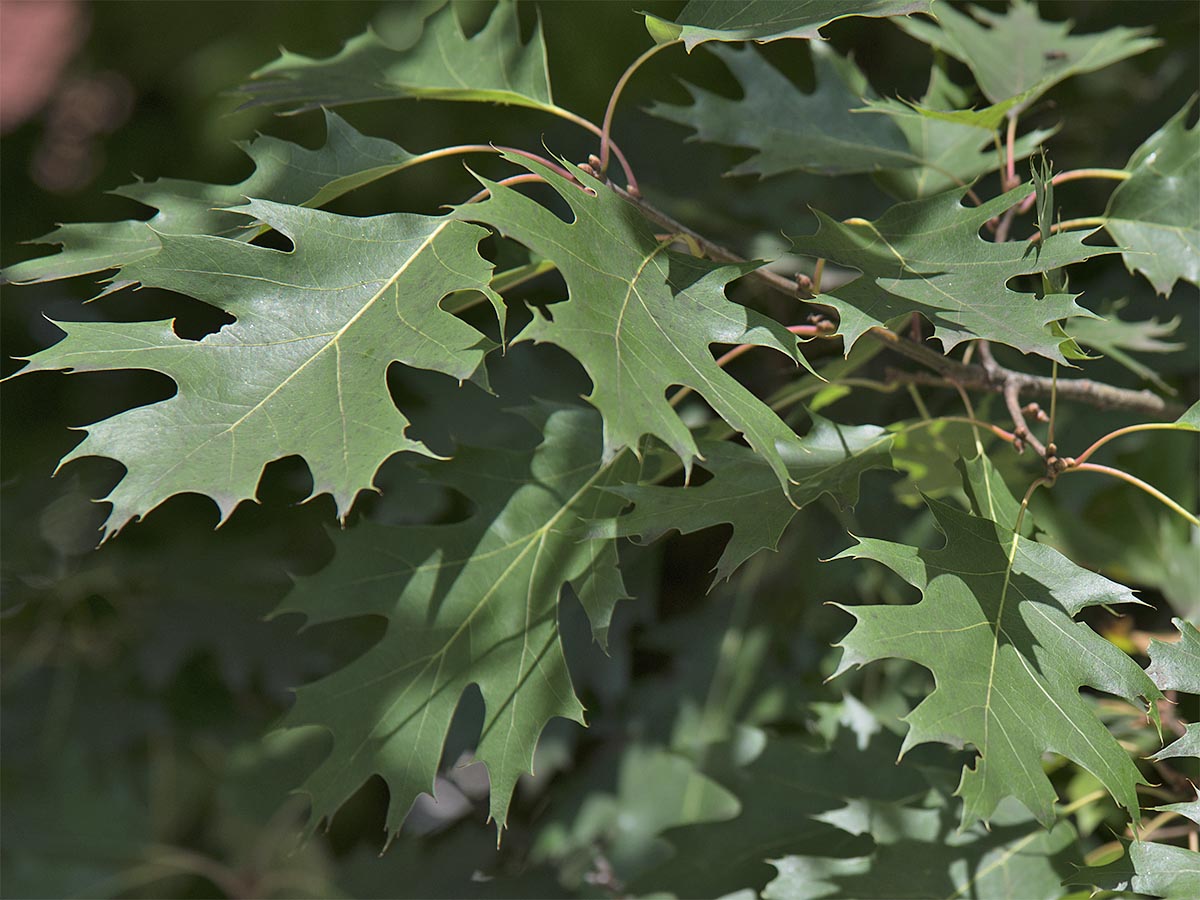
x: 744, y: 492
x: 471, y: 603
x: 791, y: 131
x: 1176, y: 667
x: 1016, y: 53
x: 1155, y: 214
x: 640, y: 318
x: 302, y: 371
x: 1007, y: 657
x: 768, y: 20
x: 926, y: 256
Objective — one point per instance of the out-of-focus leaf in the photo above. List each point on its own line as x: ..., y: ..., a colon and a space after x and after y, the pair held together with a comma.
x: 789, y: 798
x: 951, y: 152
x: 74, y: 831
x: 1117, y: 338
x: 1017, y: 53
x: 1155, y: 215
x: 656, y: 790
x: 790, y: 130
x: 768, y: 20
x: 920, y: 856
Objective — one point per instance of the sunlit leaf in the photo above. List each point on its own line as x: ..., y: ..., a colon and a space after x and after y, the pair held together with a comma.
x: 1159, y: 870
x: 640, y: 317
x: 302, y: 371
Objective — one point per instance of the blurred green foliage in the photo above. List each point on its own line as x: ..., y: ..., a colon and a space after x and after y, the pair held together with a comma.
x: 139, y: 680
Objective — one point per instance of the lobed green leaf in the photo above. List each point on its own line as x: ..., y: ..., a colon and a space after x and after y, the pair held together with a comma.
x: 302, y: 371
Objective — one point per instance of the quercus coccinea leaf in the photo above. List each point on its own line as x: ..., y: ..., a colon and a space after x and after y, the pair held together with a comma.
x: 1188, y: 745
x: 995, y: 627
x: 1155, y: 215
x: 768, y: 20
x: 492, y: 66
x: 1190, y: 809
x: 1017, y: 53
x: 302, y: 371
x: 744, y: 492
x: 791, y: 130
x: 471, y: 603
x: 640, y: 317
x: 283, y: 172
x: 1176, y: 667
x: 926, y: 256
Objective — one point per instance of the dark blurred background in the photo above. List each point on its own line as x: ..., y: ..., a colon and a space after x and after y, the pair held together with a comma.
x: 138, y: 680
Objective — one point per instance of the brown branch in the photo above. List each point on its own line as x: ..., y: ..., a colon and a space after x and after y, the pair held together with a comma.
x: 1012, y: 399
x: 1082, y: 390
x: 949, y: 371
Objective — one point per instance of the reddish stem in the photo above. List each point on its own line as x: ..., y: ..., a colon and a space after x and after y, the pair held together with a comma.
x: 1076, y: 175
x: 526, y: 178
x: 811, y: 331
x: 1136, y: 482
x: 606, y: 129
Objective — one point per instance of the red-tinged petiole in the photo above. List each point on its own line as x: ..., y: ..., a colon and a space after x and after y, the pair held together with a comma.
x: 1068, y: 225
x: 1120, y: 432
x: 1076, y: 175
x: 528, y: 178
x: 606, y: 144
